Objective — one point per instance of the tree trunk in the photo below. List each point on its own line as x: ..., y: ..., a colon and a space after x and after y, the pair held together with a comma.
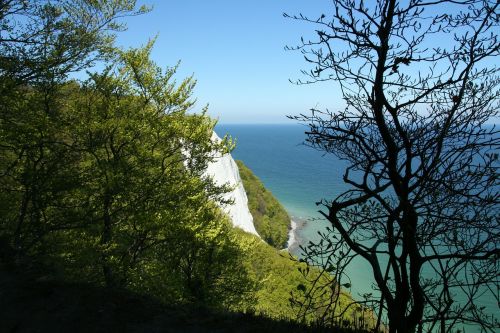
x: 399, y: 322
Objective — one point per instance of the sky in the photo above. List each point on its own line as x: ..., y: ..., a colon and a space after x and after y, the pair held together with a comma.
x: 236, y: 52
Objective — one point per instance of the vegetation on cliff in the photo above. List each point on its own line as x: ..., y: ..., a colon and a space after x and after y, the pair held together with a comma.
x: 270, y: 218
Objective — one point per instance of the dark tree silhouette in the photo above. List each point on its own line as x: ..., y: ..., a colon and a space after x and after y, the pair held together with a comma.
x: 420, y: 85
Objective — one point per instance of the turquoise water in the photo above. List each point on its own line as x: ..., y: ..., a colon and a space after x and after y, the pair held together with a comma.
x: 299, y: 176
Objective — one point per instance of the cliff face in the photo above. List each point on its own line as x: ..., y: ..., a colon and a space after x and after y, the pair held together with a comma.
x: 224, y: 170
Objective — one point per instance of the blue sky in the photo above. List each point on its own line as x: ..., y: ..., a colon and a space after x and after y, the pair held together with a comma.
x: 235, y: 49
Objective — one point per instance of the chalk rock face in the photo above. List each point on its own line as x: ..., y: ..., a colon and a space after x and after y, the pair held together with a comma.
x: 224, y: 170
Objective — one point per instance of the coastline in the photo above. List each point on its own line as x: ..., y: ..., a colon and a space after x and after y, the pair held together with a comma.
x: 294, y: 238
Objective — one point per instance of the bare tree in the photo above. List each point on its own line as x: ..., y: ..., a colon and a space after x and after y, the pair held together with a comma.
x: 420, y: 86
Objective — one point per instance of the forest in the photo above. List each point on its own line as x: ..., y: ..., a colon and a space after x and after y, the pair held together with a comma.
x: 102, y: 179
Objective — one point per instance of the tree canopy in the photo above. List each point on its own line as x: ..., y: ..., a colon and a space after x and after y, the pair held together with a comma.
x: 100, y: 177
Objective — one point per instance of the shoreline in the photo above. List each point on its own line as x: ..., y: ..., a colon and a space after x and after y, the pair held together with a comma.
x: 294, y: 238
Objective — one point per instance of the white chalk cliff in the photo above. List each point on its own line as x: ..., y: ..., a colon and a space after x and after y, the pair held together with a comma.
x: 224, y: 170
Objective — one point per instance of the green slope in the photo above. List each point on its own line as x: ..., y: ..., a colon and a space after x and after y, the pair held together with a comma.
x: 32, y: 300
x: 270, y: 218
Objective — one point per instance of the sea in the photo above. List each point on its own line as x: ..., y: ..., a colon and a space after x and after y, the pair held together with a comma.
x: 299, y: 177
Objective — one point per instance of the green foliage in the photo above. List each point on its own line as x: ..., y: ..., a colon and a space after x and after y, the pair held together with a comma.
x: 41, y: 42
x: 270, y: 218
x: 103, y: 180
x: 201, y: 261
x: 276, y: 274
